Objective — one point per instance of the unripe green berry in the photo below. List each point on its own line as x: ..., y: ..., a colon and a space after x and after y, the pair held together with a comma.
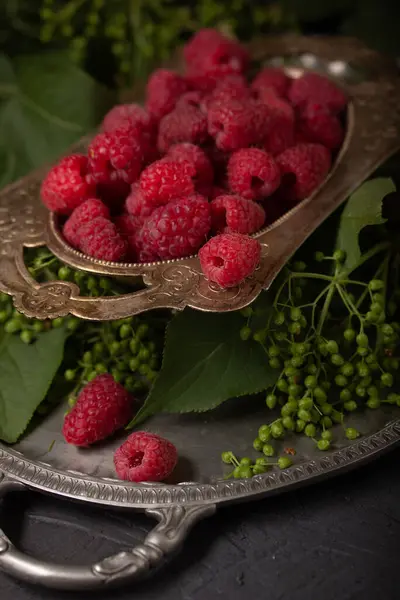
x: 310, y: 430
x: 339, y: 256
x: 264, y: 433
x: 351, y: 433
x: 349, y: 335
x: 332, y: 347
x: 271, y: 401
x: 284, y: 462
x: 245, y: 333
x: 323, y: 445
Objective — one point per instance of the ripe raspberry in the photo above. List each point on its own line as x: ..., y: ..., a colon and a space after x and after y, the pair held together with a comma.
x: 233, y: 214
x: 129, y: 227
x: 127, y: 114
x: 273, y: 79
x: 166, y: 179
x: 178, y: 229
x: 276, y: 123
x: 145, y: 457
x: 191, y: 153
x: 164, y: 87
x: 89, y: 210
x: 316, y: 88
x: 232, y: 124
x: 213, y: 54
x: 100, y: 239
x: 191, y: 99
x: 253, y: 174
x: 182, y: 125
x: 116, y: 156
x: 67, y: 185
x: 232, y: 87
x: 102, y: 407
x: 137, y: 205
x: 303, y: 168
x: 228, y: 258
x: 202, y: 83
x: 317, y: 124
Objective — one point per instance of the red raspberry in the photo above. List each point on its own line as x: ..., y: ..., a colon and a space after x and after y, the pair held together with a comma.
x: 317, y: 124
x: 178, y: 229
x: 89, y: 210
x: 216, y: 191
x: 182, y: 125
x: 191, y: 99
x: 102, y: 407
x: 276, y: 123
x: 166, y: 179
x: 164, y: 87
x: 193, y: 154
x: 233, y: 214
x: 122, y: 115
x: 303, y: 169
x: 232, y: 124
x: 316, y: 88
x: 129, y: 227
x: 202, y: 83
x: 232, y: 87
x: 116, y: 156
x: 138, y: 206
x: 100, y: 239
x: 210, y: 53
x: 253, y: 174
x: 228, y: 258
x: 67, y: 185
x: 271, y: 78
x: 145, y: 457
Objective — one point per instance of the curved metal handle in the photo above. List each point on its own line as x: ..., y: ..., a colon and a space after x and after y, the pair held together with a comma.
x: 161, y: 543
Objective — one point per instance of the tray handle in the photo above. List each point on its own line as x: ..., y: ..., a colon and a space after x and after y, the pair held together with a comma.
x: 174, y: 523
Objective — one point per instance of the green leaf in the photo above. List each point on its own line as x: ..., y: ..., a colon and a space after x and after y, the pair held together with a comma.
x: 46, y: 104
x: 363, y: 208
x: 205, y: 363
x: 26, y: 372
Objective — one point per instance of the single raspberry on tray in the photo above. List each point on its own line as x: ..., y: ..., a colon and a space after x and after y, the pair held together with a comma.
x: 100, y: 239
x: 184, y: 124
x: 227, y: 259
x: 253, y: 173
x: 102, y: 407
x: 210, y: 53
x: 271, y: 78
x: 303, y: 169
x: 232, y: 124
x: 67, y: 185
x: 318, y: 124
x: 178, y: 229
x: 84, y: 213
x: 165, y: 180
x: 187, y: 152
x: 316, y: 88
x: 164, y: 87
x: 127, y: 114
x: 234, y: 214
x: 145, y: 457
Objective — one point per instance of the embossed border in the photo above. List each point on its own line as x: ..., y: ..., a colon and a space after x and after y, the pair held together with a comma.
x: 110, y: 492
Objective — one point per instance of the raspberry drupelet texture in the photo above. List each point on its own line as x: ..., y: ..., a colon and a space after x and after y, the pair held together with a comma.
x: 213, y: 54
x: 84, y: 213
x: 102, y: 407
x: 253, y: 173
x: 303, y: 169
x: 145, y: 457
x: 100, y: 239
x: 318, y: 124
x: 276, y: 123
x: 234, y: 214
x: 164, y: 87
x: 231, y: 87
x: 232, y: 124
x: 316, y: 88
x: 273, y: 79
x: 129, y: 227
x: 116, y: 156
x: 227, y: 259
x: 184, y: 124
x: 165, y: 180
x: 178, y: 229
x: 194, y: 154
x: 67, y: 185
x: 122, y: 115
x: 138, y: 205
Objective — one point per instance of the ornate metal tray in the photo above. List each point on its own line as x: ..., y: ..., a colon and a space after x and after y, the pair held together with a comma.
x: 43, y: 462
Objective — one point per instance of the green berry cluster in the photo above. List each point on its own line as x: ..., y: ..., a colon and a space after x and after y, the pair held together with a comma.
x: 246, y: 467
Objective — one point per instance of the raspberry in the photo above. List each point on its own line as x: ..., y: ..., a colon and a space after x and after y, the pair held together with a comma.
x: 164, y: 87
x: 233, y: 214
x: 193, y: 154
x: 178, y: 229
x: 232, y: 124
x: 317, y: 124
x: 313, y: 87
x: 102, y: 407
x: 100, y: 239
x: 277, y: 128
x: 227, y: 259
x: 89, y: 210
x: 303, y: 168
x: 202, y: 83
x: 129, y: 227
x: 273, y: 79
x: 216, y: 191
x: 191, y: 99
x: 166, y: 179
x: 145, y: 457
x: 116, y: 156
x: 137, y: 205
x: 127, y: 114
x: 253, y: 174
x: 210, y: 53
x: 67, y: 185
x: 232, y: 87
x: 182, y: 125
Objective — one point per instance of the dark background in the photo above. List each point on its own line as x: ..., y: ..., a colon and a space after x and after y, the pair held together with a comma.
x: 337, y: 540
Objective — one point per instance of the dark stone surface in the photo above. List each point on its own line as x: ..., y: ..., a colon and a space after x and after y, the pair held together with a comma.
x: 337, y: 540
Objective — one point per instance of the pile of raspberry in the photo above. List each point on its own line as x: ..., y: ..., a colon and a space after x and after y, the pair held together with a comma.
x: 212, y: 158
